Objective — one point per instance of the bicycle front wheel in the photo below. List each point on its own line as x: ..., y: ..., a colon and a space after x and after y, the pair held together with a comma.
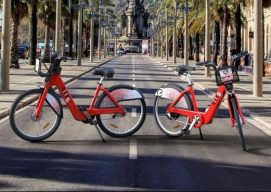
x: 172, y: 124
x: 117, y: 125
x: 238, y: 124
x: 23, y: 122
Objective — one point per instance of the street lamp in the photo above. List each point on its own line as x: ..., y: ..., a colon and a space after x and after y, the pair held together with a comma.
x: 104, y: 31
x: 80, y: 28
x: 99, y: 30
x: 186, y: 36
x: 166, y: 32
x: 91, y: 45
x: 174, y: 33
x: 58, y: 26
x: 207, y: 37
x: 258, y: 50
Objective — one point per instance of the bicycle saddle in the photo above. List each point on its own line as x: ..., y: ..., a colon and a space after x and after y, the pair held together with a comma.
x: 184, y: 69
x: 105, y: 72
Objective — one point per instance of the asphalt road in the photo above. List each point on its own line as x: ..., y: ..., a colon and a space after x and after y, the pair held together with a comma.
x: 74, y: 158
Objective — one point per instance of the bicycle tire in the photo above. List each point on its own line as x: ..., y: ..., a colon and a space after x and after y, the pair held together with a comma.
x: 109, y: 122
x: 21, y: 116
x: 174, y: 119
x: 238, y: 124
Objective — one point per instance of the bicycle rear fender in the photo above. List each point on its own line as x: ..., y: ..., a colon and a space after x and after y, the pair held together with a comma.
x: 54, y: 102
x: 230, y: 108
x: 122, y: 93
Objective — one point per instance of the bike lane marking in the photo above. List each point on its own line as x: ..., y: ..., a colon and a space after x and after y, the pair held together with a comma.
x: 133, y: 149
x: 133, y: 142
x: 133, y: 63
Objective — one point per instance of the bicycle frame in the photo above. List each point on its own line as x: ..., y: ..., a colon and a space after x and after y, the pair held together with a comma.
x: 207, y: 116
x: 76, y: 113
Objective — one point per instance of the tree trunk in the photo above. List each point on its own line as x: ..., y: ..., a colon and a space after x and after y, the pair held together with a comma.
x: 263, y: 23
x: 182, y: 45
x: 197, y: 47
x: 225, y: 24
x: 47, y: 50
x: 170, y: 45
x: 238, y: 26
x: 190, y: 48
x: 33, y: 31
x: 71, y: 33
x: 14, y: 42
x: 216, y: 42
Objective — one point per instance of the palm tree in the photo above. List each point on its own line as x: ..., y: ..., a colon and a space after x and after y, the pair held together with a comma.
x: 18, y: 11
x: 224, y: 14
x: 33, y: 21
x: 47, y: 13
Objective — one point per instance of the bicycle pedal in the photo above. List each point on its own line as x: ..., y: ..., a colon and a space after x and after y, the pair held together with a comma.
x: 186, y: 132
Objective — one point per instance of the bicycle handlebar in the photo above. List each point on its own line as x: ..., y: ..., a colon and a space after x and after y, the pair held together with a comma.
x: 54, y: 66
x: 238, y: 57
x: 213, y: 65
x: 207, y: 64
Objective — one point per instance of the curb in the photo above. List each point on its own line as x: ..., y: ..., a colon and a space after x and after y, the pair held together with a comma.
x: 5, y: 113
x: 262, y: 125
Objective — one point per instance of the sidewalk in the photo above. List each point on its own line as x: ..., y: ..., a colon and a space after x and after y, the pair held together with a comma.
x: 257, y: 108
x: 26, y: 78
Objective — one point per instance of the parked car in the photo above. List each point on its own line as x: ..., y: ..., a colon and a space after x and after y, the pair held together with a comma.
x: 23, y: 52
x: 121, y: 51
x: 132, y: 49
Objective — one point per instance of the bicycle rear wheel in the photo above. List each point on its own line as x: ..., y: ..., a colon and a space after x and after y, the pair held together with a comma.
x: 25, y: 125
x: 172, y: 124
x: 238, y: 124
x: 117, y: 125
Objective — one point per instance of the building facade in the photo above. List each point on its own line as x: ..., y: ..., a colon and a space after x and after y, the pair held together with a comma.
x: 249, y: 28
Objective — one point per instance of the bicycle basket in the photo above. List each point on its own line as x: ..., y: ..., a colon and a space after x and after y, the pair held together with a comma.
x: 226, y: 75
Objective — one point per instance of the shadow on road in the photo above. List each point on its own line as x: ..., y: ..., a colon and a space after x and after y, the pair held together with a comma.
x: 147, y: 172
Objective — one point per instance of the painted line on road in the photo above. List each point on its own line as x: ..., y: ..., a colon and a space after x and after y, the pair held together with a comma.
x: 133, y: 75
x: 133, y: 149
x: 24, y: 81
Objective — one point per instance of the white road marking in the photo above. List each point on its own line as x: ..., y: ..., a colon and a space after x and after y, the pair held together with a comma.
x: 24, y: 81
x: 133, y: 75
x: 134, y: 114
x: 133, y: 149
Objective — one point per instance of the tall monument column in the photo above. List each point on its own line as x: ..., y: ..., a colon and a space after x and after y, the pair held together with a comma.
x: 131, y: 12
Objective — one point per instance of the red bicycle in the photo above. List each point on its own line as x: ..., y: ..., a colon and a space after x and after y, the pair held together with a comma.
x: 176, y: 109
x: 119, y: 111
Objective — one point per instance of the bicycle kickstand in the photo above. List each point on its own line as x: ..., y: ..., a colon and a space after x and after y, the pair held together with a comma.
x: 200, y: 132
x: 98, y: 130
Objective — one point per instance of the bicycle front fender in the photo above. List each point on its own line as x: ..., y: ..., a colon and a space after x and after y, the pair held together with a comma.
x: 170, y: 92
x: 54, y: 102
